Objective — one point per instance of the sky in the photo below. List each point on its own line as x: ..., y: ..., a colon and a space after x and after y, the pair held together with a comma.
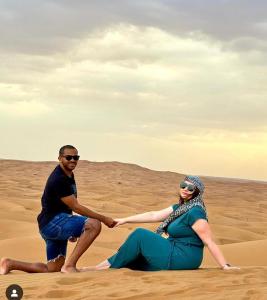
x: 166, y: 84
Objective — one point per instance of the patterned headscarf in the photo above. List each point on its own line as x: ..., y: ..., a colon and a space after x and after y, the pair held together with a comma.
x: 185, y: 207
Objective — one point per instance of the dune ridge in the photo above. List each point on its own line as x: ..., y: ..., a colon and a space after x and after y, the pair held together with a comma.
x: 237, y: 214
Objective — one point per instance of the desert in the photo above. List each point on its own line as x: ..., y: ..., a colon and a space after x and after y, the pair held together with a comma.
x: 237, y: 215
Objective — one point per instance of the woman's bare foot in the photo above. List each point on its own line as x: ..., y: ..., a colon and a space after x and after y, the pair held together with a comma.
x: 69, y: 269
x: 86, y: 269
x: 5, y: 265
x: 103, y: 265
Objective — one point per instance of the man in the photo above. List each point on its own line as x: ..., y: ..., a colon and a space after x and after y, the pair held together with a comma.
x: 57, y: 224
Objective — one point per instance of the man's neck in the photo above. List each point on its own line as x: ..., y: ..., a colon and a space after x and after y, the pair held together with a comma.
x: 67, y: 172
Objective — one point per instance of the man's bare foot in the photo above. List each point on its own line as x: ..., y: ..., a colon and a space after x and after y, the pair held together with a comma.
x: 66, y: 269
x: 5, y: 265
x: 72, y: 239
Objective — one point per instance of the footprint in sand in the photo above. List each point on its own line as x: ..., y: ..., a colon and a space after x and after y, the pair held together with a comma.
x: 249, y: 279
x: 252, y: 294
x: 134, y: 297
x: 58, y: 294
x: 71, y: 280
x: 150, y: 279
x: 87, y: 281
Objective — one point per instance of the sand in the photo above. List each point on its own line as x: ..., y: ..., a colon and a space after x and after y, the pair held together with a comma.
x: 237, y: 215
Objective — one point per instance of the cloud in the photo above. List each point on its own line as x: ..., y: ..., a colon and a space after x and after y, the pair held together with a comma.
x: 45, y: 27
x: 23, y: 109
x: 145, y: 80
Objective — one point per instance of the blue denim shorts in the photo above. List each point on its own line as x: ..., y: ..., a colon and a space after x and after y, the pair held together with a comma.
x: 57, y: 232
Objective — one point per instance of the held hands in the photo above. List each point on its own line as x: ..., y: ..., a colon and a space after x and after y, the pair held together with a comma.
x: 109, y: 222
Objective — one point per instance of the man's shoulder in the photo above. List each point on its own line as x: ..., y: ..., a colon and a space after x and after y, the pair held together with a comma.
x: 57, y: 175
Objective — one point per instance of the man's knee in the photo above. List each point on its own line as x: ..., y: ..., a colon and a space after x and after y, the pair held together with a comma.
x: 93, y: 225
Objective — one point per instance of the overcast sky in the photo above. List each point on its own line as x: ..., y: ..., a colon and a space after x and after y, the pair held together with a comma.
x: 169, y: 85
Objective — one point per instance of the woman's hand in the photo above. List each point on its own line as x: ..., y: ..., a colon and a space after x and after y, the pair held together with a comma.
x: 229, y: 267
x: 120, y: 222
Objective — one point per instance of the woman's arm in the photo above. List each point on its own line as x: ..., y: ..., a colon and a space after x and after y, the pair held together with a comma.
x: 147, y: 217
x: 202, y: 228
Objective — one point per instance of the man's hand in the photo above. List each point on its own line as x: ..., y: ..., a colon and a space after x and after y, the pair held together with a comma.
x: 109, y: 222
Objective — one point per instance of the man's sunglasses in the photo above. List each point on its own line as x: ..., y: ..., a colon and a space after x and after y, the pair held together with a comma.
x: 190, y: 187
x: 70, y: 157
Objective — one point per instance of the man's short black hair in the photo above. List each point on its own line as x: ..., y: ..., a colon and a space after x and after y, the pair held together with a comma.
x: 62, y: 149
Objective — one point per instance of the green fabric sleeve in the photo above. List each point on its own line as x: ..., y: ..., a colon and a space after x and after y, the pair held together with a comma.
x: 195, y: 214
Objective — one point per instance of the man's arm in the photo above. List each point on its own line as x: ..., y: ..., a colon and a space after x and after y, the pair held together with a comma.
x: 72, y: 202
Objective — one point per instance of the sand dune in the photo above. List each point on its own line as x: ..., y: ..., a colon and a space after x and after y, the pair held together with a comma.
x: 237, y: 214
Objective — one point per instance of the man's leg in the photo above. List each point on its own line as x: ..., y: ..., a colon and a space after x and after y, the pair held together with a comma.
x: 7, y: 265
x: 56, y: 265
x: 92, y: 229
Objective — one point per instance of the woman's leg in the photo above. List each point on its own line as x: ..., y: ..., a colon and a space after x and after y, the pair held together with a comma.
x: 143, y: 250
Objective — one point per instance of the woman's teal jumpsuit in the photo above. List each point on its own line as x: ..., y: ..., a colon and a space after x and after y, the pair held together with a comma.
x: 148, y: 251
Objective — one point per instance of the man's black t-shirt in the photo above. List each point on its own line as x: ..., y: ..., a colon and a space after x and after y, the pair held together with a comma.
x: 58, y: 185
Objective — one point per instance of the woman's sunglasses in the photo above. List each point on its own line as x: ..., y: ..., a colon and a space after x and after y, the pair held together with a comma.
x: 190, y: 187
x: 70, y: 157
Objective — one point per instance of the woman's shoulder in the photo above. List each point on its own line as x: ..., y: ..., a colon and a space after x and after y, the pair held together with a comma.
x: 197, y: 210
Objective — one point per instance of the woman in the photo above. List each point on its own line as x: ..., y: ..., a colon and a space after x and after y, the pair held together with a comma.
x: 188, y: 230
